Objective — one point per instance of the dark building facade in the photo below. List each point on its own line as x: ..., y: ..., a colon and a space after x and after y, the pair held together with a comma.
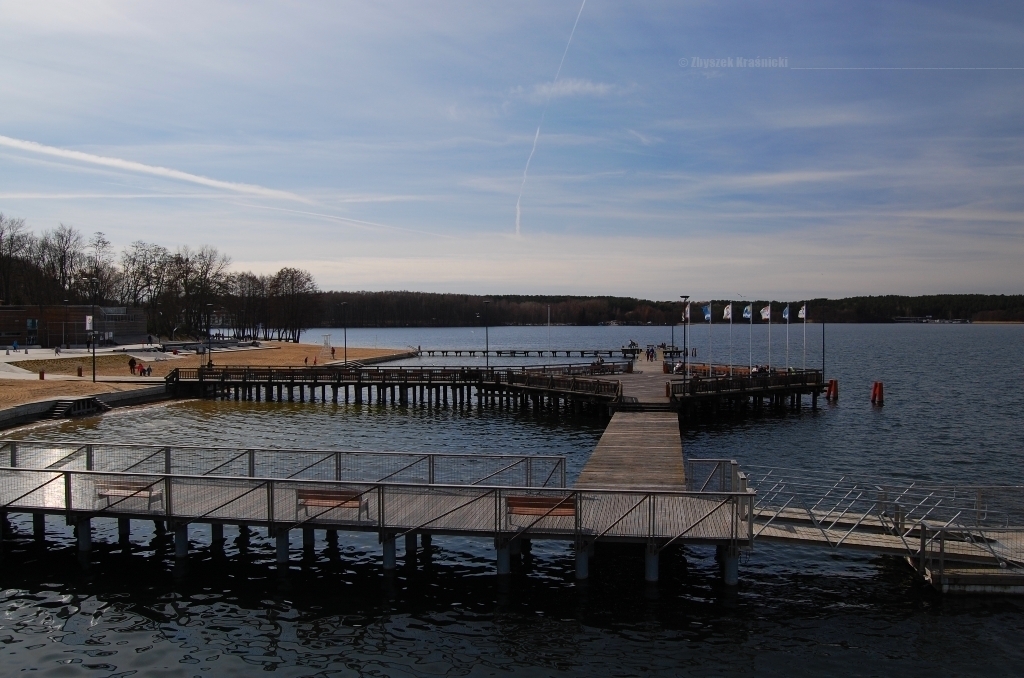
x: 50, y: 326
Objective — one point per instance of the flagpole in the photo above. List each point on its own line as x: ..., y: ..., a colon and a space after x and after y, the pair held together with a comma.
x: 787, y: 337
x: 750, y: 341
x: 769, y: 338
x: 805, y: 336
x: 688, y: 362
x: 730, y: 339
x: 711, y: 317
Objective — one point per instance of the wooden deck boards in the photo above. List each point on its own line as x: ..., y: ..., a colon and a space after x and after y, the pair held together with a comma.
x: 639, y: 450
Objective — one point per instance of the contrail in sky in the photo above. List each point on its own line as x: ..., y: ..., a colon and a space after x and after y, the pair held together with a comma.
x: 154, y: 170
x: 543, y: 113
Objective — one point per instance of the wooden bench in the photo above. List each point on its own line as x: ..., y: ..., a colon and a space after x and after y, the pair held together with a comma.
x: 125, y: 489
x: 332, y: 499
x: 541, y: 506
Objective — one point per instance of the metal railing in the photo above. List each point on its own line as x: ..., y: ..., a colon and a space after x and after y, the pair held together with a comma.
x: 698, y: 386
x: 390, y: 375
x: 944, y: 550
x: 311, y: 464
x: 887, y: 516
x: 389, y: 508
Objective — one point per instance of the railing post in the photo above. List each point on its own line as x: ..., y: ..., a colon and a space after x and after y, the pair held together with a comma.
x: 561, y: 463
x: 67, y: 491
x: 270, y: 506
x: 167, y: 460
x: 252, y: 463
x: 337, y: 465
x: 14, y: 454
x: 921, y: 568
x: 529, y: 472
x: 430, y: 469
x: 88, y: 458
x: 168, y: 508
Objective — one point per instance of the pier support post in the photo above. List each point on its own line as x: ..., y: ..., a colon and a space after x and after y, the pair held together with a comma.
x: 410, y: 545
x: 651, y: 563
x: 84, y: 528
x: 243, y: 536
x: 282, y: 547
x: 217, y: 535
x: 504, y: 559
x: 332, y: 539
x: 425, y: 540
x: 308, y: 539
x: 729, y: 560
x: 124, y: 531
x: 39, y: 526
x: 181, y: 540
x: 388, y: 542
x: 582, y: 561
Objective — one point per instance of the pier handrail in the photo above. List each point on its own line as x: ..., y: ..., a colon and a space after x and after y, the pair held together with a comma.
x: 393, y: 508
x: 697, y: 385
x: 331, y: 464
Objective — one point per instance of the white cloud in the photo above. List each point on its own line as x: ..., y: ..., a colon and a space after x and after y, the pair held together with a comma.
x: 152, y: 170
x: 570, y: 87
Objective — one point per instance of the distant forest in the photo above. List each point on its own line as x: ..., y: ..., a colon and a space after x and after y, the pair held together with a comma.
x: 422, y: 309
x: 183, y: 290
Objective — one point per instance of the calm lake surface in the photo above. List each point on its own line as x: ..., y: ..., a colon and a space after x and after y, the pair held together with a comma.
x: 952, y: 414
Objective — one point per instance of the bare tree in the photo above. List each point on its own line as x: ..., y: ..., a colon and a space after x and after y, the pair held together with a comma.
x: 61, y: 255
x: 15, y: 243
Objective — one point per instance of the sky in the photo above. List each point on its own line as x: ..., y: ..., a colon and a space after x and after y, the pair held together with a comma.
x: 382, y: 145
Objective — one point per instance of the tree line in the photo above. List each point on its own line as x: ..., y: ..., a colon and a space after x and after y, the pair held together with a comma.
x: 179, y: 290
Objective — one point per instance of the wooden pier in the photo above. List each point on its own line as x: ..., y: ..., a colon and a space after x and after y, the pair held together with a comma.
x: 637, y: 450
x: 624, y: 352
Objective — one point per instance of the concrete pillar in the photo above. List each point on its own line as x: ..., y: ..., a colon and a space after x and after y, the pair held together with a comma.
x: 504, y: 559
x: 39, y: 526
x: 84, y: 527
x: 282, y: 547
x: 515, y: 548
x: 124, y: 531
x: 332, y: 538
x: 426, y: 540
x: 730, y: 563
x: 217, y: 535
x: 651, y: 563
x: 410, y: 545
x: 582, y: 562
x: 181, y: 540
x: 308, y: 539
x: 526, y: 545
x: 389, y: 553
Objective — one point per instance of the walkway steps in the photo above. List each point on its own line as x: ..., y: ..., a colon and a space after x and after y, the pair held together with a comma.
x: 639, y: 450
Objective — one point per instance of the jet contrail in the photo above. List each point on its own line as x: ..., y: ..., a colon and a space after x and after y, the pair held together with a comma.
x: 132, y: 166
x: 543, y: 113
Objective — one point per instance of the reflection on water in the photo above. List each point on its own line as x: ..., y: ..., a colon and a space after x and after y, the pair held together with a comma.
x: 798, y: 611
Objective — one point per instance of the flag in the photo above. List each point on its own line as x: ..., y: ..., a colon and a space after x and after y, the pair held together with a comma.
x: 686, y: 313
x: 766, y: 312
x: 727, y: 313
x: 748, y: 312
x: 785, y: 313
x: 707, y: 312
x: 802, y: 313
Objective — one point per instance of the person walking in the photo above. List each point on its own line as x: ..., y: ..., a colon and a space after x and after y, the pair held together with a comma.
x: 131, y: 365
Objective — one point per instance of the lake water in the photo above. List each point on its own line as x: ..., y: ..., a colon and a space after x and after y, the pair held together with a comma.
x: 952, y: 414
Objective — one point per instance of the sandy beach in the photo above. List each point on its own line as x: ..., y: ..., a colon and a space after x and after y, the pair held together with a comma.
x: 20, y: 390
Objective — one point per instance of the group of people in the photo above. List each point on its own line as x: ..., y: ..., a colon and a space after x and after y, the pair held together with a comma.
x: 137, y: 368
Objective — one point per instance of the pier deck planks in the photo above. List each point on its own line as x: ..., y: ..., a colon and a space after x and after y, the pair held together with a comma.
x: 639, y: 450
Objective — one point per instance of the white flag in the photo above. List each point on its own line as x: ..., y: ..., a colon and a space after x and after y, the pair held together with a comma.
x: 766, y: 312
x: 88, y: 323
x: 727, y: 313
x: 802, y: 313
x: 686, y: 313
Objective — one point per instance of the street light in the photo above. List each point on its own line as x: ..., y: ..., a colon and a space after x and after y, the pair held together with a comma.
x: 686, y: 350
x: 487, y: 338
x: 209, y: 334
x: 344, y: 315
x: 64, y: 326
x: 93, y: 283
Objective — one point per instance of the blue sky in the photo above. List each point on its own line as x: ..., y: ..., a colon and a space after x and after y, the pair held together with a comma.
x: 382, y: 145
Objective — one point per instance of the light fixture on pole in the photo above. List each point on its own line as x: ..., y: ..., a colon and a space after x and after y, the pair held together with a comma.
x: 686, y: 318
x: 64, y: 326
x: 209, y: 334
x: 344, y: 316
x: 487, y: 336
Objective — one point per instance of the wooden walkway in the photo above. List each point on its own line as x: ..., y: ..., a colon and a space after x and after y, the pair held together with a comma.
x: 638, y: 450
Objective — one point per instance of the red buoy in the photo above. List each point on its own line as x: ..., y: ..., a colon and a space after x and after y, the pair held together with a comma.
x: 877, y: 394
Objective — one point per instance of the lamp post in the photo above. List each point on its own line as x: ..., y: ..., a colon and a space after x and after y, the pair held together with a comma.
x: 93, y: 288
x: 487, y: 338
x: 686, y: 350
x: 344, y: 315
x: 64, y: 325
x: 209, y: 334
